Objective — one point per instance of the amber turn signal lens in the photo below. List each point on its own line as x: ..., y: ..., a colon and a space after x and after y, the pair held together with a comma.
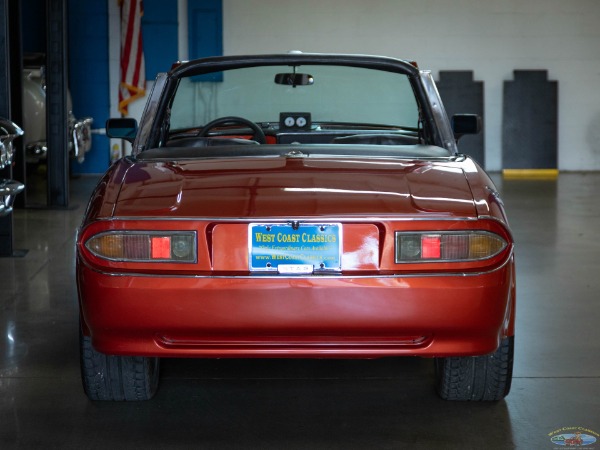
x: 484, y: 246
x: 448, y: 246
x: 108, y: 246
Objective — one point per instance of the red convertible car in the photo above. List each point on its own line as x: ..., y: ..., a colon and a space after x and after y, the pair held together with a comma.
x: 295, y: 205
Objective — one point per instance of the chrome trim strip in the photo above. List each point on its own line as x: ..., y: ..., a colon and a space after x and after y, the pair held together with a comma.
x: 292, y: 343
x: 339, y: 277
x: 302, y: 219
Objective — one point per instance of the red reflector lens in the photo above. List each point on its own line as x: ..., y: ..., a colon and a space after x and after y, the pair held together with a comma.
x: 161, y: 247
x: 430, y: 247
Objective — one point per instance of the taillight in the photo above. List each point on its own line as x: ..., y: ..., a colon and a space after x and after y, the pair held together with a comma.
x: 447, y: 246
x: 144, y: 246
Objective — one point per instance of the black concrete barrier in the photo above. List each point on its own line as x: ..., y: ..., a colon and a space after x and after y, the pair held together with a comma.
x: 530, y: 123
x: 461, y: 94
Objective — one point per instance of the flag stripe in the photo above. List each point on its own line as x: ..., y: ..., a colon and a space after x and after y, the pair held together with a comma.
x: 133, y: 80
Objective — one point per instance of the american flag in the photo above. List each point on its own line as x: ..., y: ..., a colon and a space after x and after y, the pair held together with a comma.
x: 133, y: 70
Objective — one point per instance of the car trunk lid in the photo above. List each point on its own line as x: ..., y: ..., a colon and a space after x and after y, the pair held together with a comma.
x: 258, y: 188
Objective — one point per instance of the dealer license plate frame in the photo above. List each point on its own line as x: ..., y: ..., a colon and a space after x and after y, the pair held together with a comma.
x: 295, y: 248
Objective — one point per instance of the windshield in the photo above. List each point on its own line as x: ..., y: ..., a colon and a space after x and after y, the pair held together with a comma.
x: 331, y: 94
x: 354, y: 107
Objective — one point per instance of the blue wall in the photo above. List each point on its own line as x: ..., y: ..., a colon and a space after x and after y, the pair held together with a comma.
x: 33, y: 25
x: 159, y: 34
x: 88, y: 76
x: 88, y: 53
x: 205, y: 33
x: 89, y: 65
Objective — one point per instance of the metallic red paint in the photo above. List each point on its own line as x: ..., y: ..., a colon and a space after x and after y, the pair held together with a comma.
x: 296, y: 316
x: 216, y: 307
x: 280, y: 187
x: 374, y: 308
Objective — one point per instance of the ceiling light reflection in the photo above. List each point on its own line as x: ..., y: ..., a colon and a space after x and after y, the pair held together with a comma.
x: 345, y: 191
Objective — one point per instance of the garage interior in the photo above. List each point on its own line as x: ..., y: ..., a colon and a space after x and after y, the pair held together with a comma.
x: 386, y: 403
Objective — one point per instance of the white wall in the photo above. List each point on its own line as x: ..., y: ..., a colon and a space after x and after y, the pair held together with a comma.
x: 490, y: 37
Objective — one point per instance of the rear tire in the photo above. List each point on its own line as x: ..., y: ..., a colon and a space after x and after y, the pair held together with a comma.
x: 476, y: 378
x: 117, y: 378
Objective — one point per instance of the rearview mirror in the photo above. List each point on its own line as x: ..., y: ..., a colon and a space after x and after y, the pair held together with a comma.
x: 122, y: 128
x: 294, y: 79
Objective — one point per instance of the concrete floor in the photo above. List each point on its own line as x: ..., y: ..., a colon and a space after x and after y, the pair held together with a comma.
x: 313, y: 404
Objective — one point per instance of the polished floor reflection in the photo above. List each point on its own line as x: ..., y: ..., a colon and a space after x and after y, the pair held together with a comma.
x: 313, y: 404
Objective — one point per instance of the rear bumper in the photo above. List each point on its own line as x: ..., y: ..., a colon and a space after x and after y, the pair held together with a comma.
x: 346, y: 317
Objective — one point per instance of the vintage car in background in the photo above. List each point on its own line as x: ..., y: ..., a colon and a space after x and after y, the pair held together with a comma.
x: 9, y: 131
x: 303, y: 206
x: 34, y: 116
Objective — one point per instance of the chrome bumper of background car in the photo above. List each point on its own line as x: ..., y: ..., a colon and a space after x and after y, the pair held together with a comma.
x: 81, y: 131
x: 9, y: 131
x: 8, y: 191
x: 80, y: 142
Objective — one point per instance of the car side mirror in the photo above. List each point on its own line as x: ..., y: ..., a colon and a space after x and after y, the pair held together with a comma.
x: 122, y: 128
x: 466, y: 124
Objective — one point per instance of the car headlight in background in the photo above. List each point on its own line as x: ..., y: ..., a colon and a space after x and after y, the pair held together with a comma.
x: 447, y: 246
x: 143, y: 246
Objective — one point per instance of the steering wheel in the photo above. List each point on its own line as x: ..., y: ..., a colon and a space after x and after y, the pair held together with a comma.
x: 258, y: 135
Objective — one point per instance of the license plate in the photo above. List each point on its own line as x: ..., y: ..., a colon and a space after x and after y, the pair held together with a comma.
x: 305, y: 248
